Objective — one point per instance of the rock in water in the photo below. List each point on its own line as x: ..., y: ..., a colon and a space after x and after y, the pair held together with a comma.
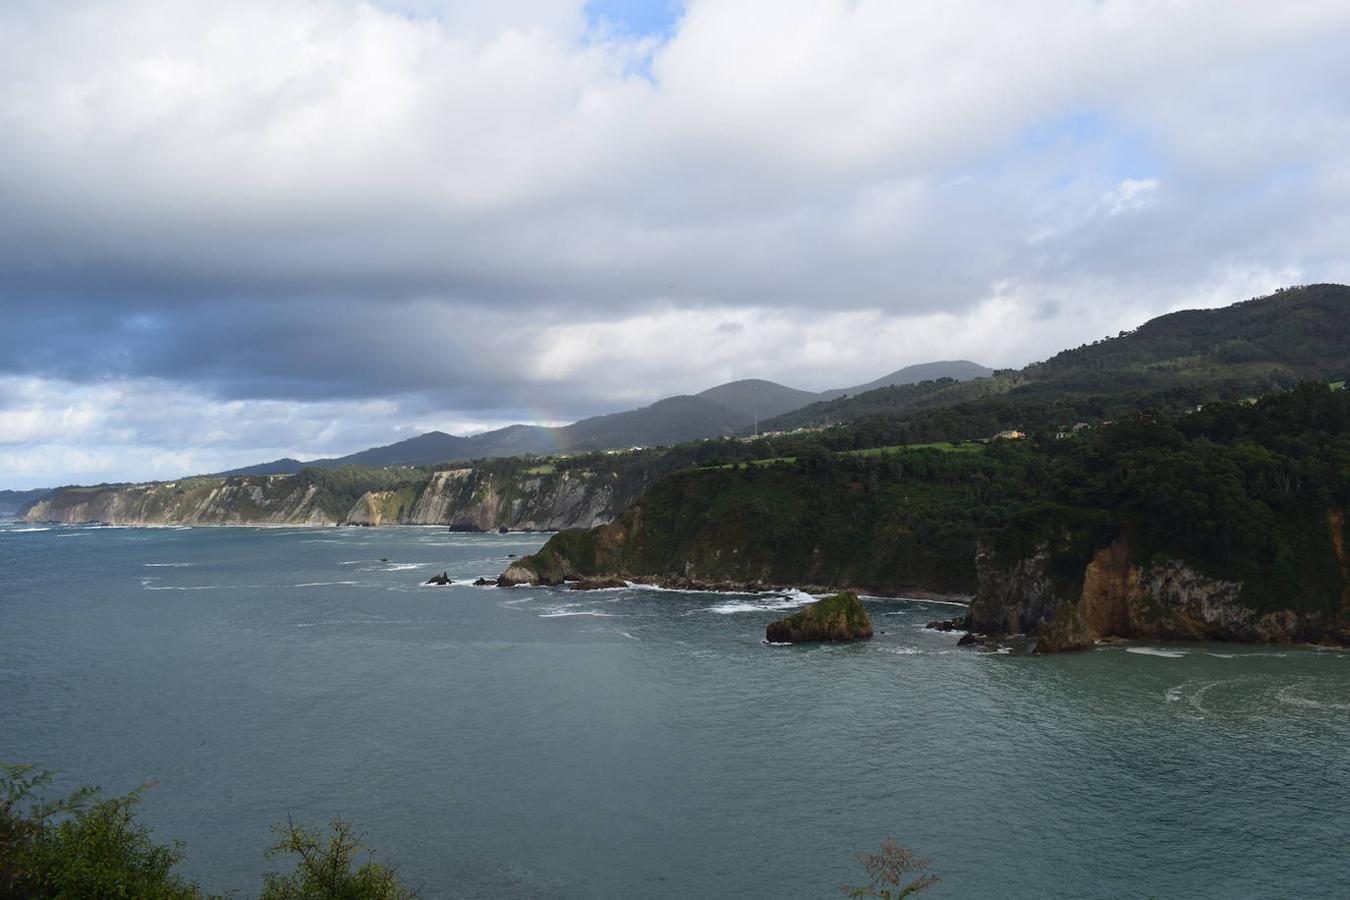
x: 441, y: 579
x: 599, y: 584
x: 838, y: 618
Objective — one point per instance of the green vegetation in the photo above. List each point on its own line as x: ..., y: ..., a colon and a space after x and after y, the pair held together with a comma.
x: 893, y: 873
x: 944, y: 446
x: 1191, y: 357
x: 837, y: 618
x: 82, y: 845
x: 87, y: 846
x: 1242, y: 492
x: 328, y: 867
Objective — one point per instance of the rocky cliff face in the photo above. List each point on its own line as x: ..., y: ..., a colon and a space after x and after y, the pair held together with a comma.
x: 467, y: 498
x: 1156, y: 599
x: 261, y: 500
x: 460, y: 498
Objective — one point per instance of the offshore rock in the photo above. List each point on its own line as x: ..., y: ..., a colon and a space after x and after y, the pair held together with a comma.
x: 442, y: 579
x: 599, y: 584
x: 838, y: 618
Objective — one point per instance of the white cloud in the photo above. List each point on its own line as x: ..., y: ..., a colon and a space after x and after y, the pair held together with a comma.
x: 1131, y: 195
x: 482, y: 211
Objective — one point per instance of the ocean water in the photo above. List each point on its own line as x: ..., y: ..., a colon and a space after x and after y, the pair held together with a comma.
x: 538, y: 742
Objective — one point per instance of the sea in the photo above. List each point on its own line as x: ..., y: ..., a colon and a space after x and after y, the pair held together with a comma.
x: 547, y: 743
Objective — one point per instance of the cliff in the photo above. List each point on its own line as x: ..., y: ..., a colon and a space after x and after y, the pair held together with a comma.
x: 263, y: 500
x: 1225, y: 524
x: 517, y: 497
x: 826, y: 527
x: 1124, y: 594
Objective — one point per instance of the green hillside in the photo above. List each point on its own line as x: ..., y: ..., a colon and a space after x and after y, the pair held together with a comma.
x: 1238, y: 351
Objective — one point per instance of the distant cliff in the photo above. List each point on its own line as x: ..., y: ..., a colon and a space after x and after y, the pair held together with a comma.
x: 474, y: 499
x: 510, y: 494
x: 262, y: 500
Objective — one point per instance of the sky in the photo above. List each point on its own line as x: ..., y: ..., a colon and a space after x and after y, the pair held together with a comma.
x: 231, y: 232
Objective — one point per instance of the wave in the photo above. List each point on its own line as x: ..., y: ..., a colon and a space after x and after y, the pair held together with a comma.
x: 560, y: 613
x: 28, y: 530
x: 792, y: 599
x: 1156, y: 651
x: 178, y: 565
x: 324, y: 583
x: 401, y: 567
x: 882, y: 598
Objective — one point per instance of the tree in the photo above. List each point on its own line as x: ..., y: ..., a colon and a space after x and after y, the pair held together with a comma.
x: 80, y: 845
x: 325, y: 872
x: 893, y: 873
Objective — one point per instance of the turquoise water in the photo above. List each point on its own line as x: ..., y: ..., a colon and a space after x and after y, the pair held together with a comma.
x: 640, y: 743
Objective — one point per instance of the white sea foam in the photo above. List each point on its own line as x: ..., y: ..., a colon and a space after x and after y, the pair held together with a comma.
x: 402, y: 567
x: 1173, y: 694
x: 1285, y: 696
x: 629, y: 636
x: 31, y: 529
x: 879, y: 598
x: 324, y: 583
x: 777, y: 643
x: 1155, y: 651
x: 179, y: 565
x: 560, y: 613
x: 764, y: 603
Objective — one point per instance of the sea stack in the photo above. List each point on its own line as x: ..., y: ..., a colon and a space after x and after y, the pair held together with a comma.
x: 837, y: 618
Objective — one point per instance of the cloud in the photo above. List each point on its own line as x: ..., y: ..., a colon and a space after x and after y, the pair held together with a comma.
x: 472, y: 212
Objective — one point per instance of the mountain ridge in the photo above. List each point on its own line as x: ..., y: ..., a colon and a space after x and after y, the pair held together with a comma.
x: 724, y: 410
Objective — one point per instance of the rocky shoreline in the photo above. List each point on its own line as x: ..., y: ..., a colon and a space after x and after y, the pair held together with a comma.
x: 719, y: 586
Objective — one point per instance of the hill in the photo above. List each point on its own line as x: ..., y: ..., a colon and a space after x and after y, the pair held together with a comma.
x: 758, y: 399
x: 727, y: 409
x: 955, y: 369
x: 1238, y: 351
x: 13, y: 503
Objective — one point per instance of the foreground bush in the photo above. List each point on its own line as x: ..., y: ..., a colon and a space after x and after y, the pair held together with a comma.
x: 893, y: 873
x: 83, y: 847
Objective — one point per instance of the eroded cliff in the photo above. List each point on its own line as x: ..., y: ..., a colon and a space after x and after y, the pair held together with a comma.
x: 539, y: 498
x: 1125, y: 594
